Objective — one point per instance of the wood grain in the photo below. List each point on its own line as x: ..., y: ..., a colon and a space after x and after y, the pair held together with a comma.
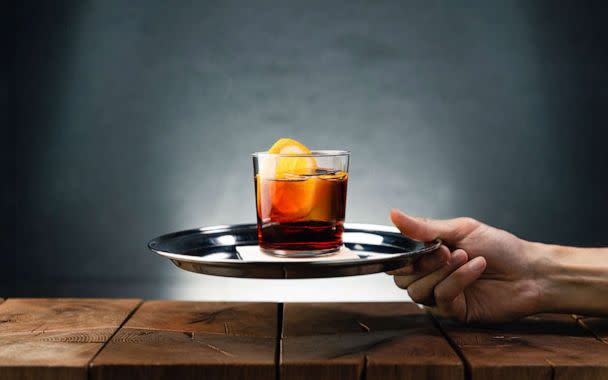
x: 539, y: 347
x: 364, y: 340
x: 56, y: 338
x: 63, y: 338
x: 182, y: 340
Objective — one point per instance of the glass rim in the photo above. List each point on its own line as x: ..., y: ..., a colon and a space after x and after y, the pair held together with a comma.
x: 314, y: 153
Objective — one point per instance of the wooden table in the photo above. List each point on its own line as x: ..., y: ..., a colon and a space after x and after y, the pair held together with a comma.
x: 131, y: 339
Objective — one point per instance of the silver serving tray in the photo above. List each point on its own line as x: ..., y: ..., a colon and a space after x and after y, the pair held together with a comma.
x: 212, y: 250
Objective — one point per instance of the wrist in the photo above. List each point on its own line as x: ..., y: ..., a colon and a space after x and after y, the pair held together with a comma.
x: 570, y: 280
x: 541, y: 264
x: 547, y: 267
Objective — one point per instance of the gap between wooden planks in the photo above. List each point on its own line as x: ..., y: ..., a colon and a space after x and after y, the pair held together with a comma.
x: 546, y: 346
x: 364, y: 341
x: 188, y: 340
x: 327, y: 340
x: 56, y: 338
x: 217, y: 340
x: 228, y: 340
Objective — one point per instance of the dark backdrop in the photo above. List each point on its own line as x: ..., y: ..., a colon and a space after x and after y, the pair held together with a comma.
x: 7, y: 155
x: 137, y: 118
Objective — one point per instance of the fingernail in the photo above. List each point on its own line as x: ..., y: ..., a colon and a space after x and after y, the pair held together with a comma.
x: 477, y: 264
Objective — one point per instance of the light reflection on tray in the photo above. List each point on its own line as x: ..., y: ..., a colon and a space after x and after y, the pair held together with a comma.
x: 212, y: 250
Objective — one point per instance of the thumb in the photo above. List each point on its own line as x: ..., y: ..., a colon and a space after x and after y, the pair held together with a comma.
x: 422, y: 229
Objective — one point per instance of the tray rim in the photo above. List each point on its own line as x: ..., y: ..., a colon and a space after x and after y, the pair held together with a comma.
x: 430, y: 247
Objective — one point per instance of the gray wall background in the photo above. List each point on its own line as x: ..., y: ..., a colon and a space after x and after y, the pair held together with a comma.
x: 137, y: 118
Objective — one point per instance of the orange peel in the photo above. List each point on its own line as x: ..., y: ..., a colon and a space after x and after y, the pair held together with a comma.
x: 297, y: 165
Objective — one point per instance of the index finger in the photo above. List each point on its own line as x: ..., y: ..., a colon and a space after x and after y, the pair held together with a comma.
x: 424, y: 229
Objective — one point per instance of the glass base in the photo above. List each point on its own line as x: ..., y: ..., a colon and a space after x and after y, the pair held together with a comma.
x: 300, y: 254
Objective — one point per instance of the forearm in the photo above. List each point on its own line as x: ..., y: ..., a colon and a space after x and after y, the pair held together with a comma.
x: 572, y: 280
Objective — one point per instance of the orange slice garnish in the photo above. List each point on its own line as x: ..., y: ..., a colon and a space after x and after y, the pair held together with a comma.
x: 290, y: 166
x: 288, y: 146
x: 283, y: 185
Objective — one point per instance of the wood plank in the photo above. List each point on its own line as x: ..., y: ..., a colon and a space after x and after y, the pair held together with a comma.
x: 364, y: 340
x: 538, y: 347
x: 56, y: 338
x: 187, y: 340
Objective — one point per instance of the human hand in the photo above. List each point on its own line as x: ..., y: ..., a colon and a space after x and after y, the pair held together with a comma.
x: 479, y: 274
